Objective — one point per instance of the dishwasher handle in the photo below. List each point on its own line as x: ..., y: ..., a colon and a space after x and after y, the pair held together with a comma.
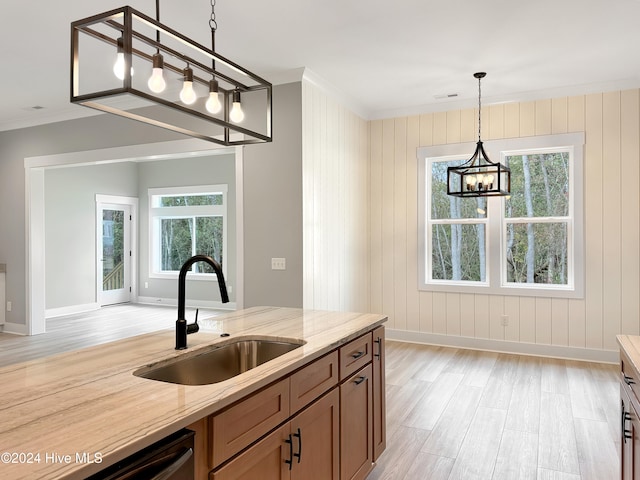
x: 175, y: 466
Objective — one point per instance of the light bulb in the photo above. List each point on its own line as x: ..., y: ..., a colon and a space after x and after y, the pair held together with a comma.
x: 156, y: 81
x: 118, y: 66
x: 490, y: 181
x: 236, y: 114
x: 471, y: 182
x: 188, y: 94
x: 213, y: 104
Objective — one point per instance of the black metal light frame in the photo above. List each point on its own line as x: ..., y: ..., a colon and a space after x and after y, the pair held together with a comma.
x: 479, y: 176
x: 237, y: 78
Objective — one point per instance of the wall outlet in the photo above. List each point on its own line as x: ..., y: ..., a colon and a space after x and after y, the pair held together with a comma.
x: 9, y: 306
x: 146, y: 284
x: 278, y: 264
x: 504, y: 320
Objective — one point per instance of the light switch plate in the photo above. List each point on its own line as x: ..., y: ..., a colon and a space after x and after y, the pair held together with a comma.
x: 278, y: 264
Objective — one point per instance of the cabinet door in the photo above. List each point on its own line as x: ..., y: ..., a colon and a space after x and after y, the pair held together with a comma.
x: 356, y: 425
x: 379, y: 404
x: 266, y: 460
x: 626, y: 437
x: 316, y: 440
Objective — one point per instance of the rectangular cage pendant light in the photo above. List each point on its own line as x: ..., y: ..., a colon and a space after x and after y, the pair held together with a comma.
x: 479, y: 176
x: 114, y: 60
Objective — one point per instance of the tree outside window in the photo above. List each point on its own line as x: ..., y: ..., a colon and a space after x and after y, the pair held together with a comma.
x: 186, y: 222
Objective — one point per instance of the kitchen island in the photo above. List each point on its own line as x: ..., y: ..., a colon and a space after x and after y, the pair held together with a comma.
x: 74, y: 414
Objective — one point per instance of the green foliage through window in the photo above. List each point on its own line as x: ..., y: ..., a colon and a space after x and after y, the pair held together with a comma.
x: 537, y: 252
x: 188, y: 224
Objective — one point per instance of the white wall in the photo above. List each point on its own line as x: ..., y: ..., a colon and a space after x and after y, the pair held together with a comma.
x: 70, y: 226
x: 273, y: 207
x: 335, y: 182
x: 583, y: 328
x: 210, y: 170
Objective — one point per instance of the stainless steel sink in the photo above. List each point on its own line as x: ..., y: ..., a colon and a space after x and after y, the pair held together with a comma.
x: 219, y: 363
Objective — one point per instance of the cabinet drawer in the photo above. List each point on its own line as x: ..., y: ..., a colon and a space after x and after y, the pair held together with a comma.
x: 629, y: 376
x: 355, y: 355
x: 243, y: 423
x: 313, y: 380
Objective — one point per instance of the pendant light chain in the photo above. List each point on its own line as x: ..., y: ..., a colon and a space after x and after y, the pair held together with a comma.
x: 212, y: 21
x: 158, y: 20
x: 213, y: 24
x: 479, y: 107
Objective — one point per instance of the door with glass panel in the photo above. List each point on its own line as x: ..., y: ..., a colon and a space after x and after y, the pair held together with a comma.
x: 114, y: 253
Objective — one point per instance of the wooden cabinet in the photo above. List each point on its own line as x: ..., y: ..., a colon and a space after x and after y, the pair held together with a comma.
x: 315, y: 433
x: 325, y: 421
x: 355, y: 355
x: 356, y: 425
x: 239, y: 426
x: 265, y: 460
x: 311, y: 381
x: 304, y: 448
x: 629, y: 420
x: 379, y: 392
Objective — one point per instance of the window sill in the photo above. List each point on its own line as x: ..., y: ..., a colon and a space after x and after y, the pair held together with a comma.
x: 509, y: 290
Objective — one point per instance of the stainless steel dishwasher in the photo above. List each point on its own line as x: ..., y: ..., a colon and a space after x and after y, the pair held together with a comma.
x: 169, y: 459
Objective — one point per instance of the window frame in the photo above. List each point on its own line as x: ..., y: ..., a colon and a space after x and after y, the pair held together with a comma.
x: 158, y: 213
x: 496, y: 223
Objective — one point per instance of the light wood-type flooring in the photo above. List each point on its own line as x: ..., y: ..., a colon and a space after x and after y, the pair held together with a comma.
x: 466, y: 414
x: 451, y: 413
x: 93, y: 328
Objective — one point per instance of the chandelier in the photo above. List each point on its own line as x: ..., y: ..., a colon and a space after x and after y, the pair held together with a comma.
x: 479, y: 176
x: 126, y: 63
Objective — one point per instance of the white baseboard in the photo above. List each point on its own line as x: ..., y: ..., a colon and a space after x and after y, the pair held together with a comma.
x: 71, y: 310
x: 172, y: 302
x: 14, y: 328
x: 538, y: 350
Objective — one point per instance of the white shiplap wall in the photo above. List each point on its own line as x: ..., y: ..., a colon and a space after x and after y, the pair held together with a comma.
x: 335, y: 192
x: 583, y: 328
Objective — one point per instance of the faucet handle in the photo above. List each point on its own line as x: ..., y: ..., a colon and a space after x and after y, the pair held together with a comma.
x: 193, y: 327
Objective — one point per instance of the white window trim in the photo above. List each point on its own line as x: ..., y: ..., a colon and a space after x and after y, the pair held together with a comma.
x: 157, y: 213
x: 496, y: 149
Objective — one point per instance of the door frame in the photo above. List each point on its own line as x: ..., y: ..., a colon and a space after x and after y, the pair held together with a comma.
x: 132, y: 203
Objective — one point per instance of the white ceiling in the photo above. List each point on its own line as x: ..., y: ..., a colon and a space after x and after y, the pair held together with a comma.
x: 383, y: 58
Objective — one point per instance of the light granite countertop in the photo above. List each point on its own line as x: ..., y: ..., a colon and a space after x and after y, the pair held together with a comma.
x: 631, y: 346
x: 89, y: 402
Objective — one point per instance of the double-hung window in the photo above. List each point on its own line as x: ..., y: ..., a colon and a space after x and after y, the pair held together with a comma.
x: 187, y: 221
x: 529, y: 243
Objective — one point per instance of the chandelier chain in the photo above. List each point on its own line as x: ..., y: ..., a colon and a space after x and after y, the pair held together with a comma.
x: 212, y: 21
x: 479, y: 108
x: 158, y: 20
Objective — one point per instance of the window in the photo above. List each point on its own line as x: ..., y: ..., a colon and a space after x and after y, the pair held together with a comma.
x: 530, y: 243
x: 187, y: 221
